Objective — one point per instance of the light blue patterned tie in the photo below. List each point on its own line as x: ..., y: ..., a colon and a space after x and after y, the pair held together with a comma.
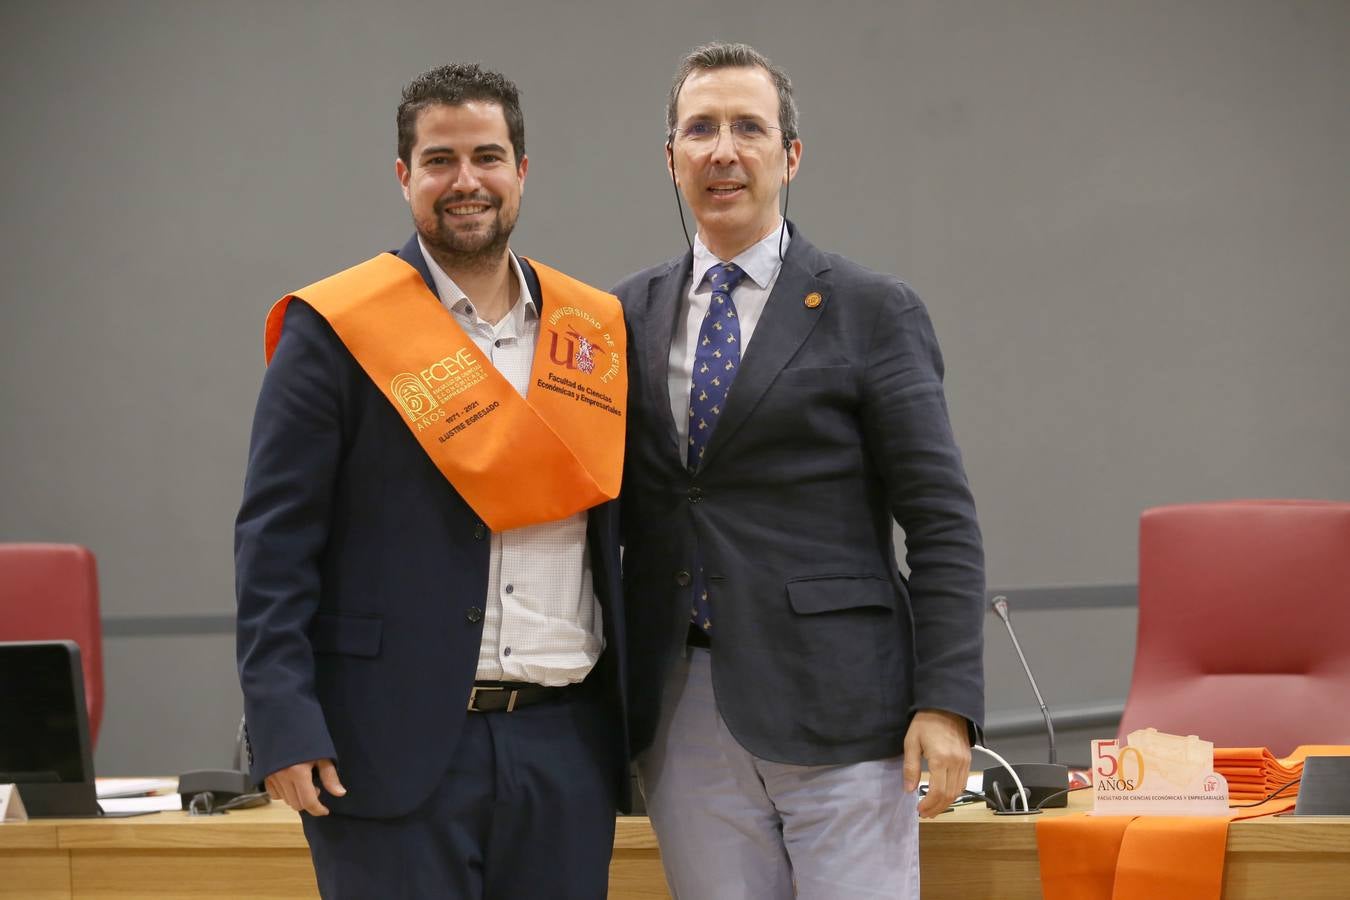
x: 716, y: 359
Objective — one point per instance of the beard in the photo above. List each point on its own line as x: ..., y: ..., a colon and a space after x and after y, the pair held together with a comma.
x: 478, y: 250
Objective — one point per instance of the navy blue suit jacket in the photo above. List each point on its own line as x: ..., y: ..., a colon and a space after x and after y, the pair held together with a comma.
x: 361, y: 576
x: 835, y: 427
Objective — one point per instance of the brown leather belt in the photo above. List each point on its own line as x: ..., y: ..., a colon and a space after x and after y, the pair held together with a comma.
x: 509, y: 696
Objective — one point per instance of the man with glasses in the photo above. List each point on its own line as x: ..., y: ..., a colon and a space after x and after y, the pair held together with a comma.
x: 786, y: 406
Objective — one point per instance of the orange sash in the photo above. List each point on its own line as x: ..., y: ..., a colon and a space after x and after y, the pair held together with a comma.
x: 515, y: 460
x: 1086, y: 857
x: 1138, y: 858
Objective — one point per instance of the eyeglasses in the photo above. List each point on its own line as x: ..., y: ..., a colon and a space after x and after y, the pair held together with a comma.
x: 744, y: 132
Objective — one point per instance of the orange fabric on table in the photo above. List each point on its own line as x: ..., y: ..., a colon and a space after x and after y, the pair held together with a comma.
x: 1301, y: 754
x: 1085, y: 857
x: 1171, y: 858
x: 1078, y: 855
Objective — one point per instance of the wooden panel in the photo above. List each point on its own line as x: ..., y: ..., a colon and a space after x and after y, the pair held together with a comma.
x: 34, y: 874
x: 959, y: 873
x: 1290, y: 834
x: 1307, y: 876
x: 30, y: 835
x: 261, y: 855
x: 635, y: 871
x: 637, y: 876
x: 969, y: 853
x: 274, y: 826
x: 163, y: 874
x: 634, y: 833
x: 270, y: 875
x: 187, y: 834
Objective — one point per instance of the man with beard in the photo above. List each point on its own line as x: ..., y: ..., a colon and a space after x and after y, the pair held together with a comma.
x: 787, y: 407
x: 430, y: 641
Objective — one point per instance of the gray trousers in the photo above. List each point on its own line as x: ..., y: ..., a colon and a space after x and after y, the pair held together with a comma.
x: 733, y: 826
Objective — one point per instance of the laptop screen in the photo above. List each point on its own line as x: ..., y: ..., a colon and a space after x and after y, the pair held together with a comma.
x: 44, y: 727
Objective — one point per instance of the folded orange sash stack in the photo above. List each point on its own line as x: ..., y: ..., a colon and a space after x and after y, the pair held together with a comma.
x: 1254, y: 773
x: 1087, y: 857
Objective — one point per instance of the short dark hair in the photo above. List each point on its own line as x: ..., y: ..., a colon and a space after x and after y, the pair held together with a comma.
x: 455, y: 85
x: 722, y: 55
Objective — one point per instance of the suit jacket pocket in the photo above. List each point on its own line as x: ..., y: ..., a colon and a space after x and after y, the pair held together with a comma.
x: 830, y: 593
x: 346, y: 633
x: 841, y: 658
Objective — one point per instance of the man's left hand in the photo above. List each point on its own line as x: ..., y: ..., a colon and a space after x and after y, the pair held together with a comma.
x: 941, y: 738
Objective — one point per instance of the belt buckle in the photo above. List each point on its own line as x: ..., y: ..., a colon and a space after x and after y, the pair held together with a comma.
x: 510, y: 701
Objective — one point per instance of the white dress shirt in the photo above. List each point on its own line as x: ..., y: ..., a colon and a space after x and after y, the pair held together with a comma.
x: 541, y: 620
x: 761, y: 265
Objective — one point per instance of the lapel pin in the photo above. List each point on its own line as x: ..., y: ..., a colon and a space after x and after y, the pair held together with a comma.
x: 812, y: 300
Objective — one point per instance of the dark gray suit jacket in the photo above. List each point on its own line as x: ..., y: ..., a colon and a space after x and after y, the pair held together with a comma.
x: 836, y: 425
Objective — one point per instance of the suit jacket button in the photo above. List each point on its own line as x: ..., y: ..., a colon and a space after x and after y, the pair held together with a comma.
x: 696, y: 495
x: 479, y: 531
x: 474, y: 614
x: 682, y: 578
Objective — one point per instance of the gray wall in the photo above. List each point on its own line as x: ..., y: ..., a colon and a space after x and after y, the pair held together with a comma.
x: 1129, y: 221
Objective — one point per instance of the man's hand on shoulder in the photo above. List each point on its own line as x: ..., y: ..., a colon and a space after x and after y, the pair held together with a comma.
x: 941, y: 738
x: 296, y: 785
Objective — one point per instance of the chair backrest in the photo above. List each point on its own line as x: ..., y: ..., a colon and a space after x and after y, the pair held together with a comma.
x: 50, y: 592
x: 1244, y: 623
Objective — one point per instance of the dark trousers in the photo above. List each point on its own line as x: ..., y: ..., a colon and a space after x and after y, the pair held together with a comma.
x: 525, y: 812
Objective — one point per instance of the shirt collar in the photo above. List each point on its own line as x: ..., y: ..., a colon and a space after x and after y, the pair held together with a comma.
x: 759, y: 261
x: 456, y: 300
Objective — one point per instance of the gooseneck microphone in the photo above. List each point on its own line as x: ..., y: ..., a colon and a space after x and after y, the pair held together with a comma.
x: 1000, y: 605
x: 1046, y: 784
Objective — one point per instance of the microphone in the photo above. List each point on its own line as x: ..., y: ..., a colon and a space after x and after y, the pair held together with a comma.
x: 1000, y: 605
x: 787, y: 166
x: 1042, y: 780
x: 679, y: 205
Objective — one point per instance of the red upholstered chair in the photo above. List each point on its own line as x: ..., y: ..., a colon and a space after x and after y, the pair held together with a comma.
x: 50, y: 592
x: 1244, y: 623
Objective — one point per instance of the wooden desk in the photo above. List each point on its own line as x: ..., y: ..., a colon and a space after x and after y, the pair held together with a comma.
x: 261, y: 855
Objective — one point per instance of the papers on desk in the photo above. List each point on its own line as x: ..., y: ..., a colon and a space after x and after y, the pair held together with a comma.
x: 127, y: 795
x: 133, y: 787
x: 152, y: 803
